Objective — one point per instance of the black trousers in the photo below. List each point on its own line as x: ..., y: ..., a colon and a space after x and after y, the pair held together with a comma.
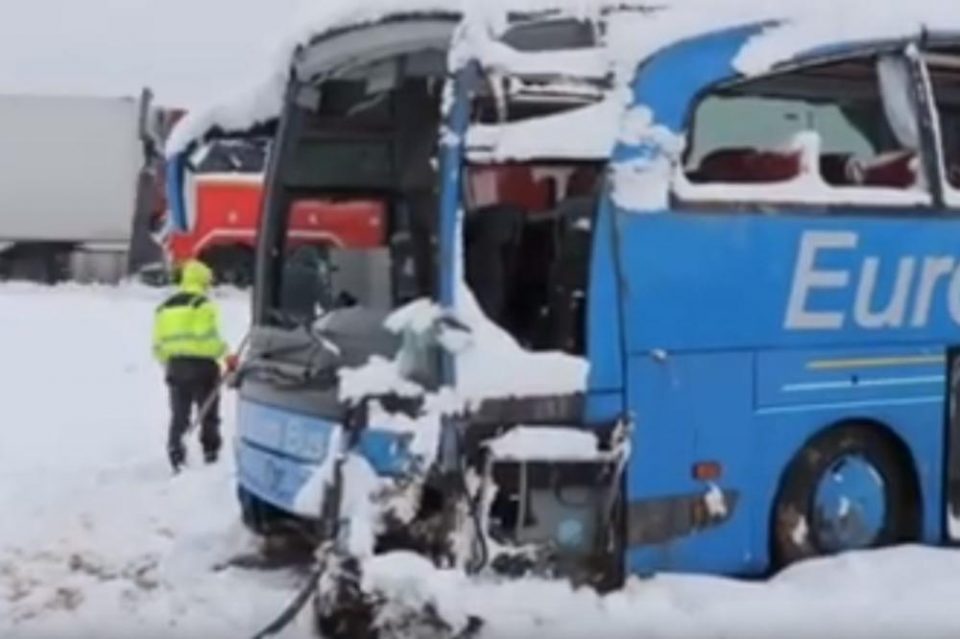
x: 191, y: 382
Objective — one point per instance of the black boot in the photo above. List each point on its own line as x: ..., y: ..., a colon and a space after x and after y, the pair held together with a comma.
x: 210, y: 455
x: 178, y: 455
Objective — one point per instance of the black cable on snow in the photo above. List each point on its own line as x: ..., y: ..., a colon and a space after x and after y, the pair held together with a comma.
x: 288, y: 614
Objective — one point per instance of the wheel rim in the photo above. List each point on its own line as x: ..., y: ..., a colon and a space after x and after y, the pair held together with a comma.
x: 850, y: 505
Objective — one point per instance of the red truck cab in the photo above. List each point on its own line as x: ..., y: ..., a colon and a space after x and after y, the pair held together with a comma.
x: 223, y: 198
x: 223, y: 194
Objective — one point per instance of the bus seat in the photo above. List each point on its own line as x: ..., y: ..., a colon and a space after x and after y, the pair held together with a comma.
x: 747, y: 165
x: 509, y: 184
x: 583, y: 181
x: 896, y: 169
x: 519, y: 188
x: 840, y: 169
x: 491, y: 237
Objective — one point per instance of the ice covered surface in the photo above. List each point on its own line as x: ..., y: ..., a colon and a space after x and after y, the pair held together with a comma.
x: 97, y: 541
x: 545, y: 443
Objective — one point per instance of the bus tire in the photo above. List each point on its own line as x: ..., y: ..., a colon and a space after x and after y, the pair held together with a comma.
x: 849, y: 488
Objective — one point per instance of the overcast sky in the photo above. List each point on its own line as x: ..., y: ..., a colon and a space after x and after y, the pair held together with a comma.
x: 188, y: 51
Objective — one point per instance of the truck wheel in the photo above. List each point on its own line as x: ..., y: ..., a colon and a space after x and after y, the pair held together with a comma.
x: 231, y: 265
x: 847, y: 489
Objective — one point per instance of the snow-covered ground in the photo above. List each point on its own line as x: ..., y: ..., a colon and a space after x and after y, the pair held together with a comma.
x: 97, y: 540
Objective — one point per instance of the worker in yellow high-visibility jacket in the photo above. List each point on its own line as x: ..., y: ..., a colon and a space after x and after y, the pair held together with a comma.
x: 187, y: 342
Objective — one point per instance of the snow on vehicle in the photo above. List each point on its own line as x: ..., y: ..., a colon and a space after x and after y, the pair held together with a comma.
x: 716, y: 346
x: 76, y: 187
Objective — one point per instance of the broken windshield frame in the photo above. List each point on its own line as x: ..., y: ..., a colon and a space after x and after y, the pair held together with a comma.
x: 355, y: 148
x: 527, y: 220
x: 355, y: 97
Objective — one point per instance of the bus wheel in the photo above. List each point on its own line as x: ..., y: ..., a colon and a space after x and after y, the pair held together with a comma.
x: 849, y: 488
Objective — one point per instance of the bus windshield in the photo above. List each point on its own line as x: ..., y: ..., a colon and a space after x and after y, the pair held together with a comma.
x: 356, y: 151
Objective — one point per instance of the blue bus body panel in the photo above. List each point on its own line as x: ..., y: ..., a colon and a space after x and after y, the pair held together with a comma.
x: 702, y: 406
x: 792, y: 281
x: 686, y: 409
x: 762, y: 286
x: 604, y: 340
x: 813, y: 377
x: 746, y: 335
x: 278, y: 451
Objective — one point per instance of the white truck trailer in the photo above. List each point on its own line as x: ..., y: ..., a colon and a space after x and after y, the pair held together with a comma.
x: 77, y: 187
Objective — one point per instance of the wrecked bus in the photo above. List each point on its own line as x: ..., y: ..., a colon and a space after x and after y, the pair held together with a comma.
x: 684, y: 302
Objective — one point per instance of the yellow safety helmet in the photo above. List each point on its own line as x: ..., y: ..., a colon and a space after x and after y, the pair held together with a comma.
x: 195, y: 276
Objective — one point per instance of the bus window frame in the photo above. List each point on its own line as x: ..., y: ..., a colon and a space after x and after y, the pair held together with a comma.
x: 929, y: 151
x: 950, y: 194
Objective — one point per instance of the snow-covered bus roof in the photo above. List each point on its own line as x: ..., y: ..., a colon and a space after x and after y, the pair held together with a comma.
x: 790, y: 35
x: 632, y: 32
x: 261, y: 102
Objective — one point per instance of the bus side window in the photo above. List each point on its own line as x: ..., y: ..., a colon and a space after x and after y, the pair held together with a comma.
x: 814, y: 131
x: 944, y: 69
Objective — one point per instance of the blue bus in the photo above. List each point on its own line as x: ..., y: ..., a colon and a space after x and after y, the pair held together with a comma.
x: 709, y: 309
